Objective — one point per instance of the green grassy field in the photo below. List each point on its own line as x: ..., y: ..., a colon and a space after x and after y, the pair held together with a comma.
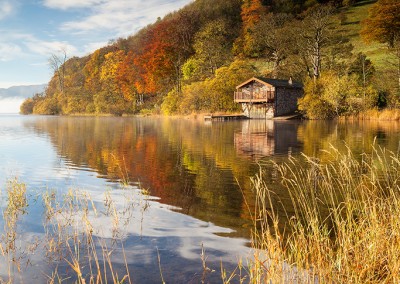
x: 351, y: 19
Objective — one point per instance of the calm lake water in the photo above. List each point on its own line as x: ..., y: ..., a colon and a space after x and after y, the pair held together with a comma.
x: 173, y: 185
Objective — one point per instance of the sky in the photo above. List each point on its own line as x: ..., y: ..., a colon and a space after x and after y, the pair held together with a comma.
x: 33, y: 30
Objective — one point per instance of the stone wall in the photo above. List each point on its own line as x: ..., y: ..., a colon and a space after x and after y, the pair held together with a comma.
x: 286, y: 100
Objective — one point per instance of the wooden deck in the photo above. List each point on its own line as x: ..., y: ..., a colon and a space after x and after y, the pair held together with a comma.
x: 254, y: 97
x: 241, y: 116
x: 224, y: 117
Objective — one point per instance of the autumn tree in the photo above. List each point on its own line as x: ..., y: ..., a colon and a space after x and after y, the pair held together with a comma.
x: 180, y: 35
x: 28, y: 105
x: 383, y: 25
x: 125, y: 76
x: 75, y: 97
x: 252, y: 12
x: 110, y: 99
x: 92, y: 71
x: 153, y: 62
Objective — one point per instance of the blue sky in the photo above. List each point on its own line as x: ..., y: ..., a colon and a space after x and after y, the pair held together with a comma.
x: 32, y: 30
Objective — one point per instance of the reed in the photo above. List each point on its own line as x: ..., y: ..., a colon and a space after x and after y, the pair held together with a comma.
x: 74, y: 242
x: 346, y: 222
x: 73, y: 247
x: 375, y: 114
x: 16, y: 205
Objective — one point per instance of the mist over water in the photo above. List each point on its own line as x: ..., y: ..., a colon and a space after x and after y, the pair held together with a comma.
x: 10, y: 105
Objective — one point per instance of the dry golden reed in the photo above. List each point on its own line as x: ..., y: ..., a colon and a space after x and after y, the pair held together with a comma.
x: 346, y: 222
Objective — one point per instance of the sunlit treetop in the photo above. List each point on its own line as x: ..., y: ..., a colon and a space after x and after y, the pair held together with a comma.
x: 383, y: 23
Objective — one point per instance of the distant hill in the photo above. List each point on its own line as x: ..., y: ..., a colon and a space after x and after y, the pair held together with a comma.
x: 21, y: 91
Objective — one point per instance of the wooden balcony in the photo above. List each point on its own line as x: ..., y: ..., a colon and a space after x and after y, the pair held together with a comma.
x: 254, y: 97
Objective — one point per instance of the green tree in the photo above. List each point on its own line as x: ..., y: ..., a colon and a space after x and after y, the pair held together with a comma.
x: 363, y: 68
x: 211, y: 95
x: 316, y: 33
x: 333, y: 95
x: 212, y: 45
x: 195, y: 98
x: 275, y: 39
x: 171, y: 103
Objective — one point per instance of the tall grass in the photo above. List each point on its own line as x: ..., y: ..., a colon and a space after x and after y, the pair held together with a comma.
x: 375, y: 114
x: 72, y: 241
x: 74, y: 248
x: 346, y: 222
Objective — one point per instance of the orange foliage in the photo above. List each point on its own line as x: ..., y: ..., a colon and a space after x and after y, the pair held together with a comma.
x: 154, y: 64
x: 252, y: 11
x: 383, y: 23
x: 125, y: 76
x: 92, y: 71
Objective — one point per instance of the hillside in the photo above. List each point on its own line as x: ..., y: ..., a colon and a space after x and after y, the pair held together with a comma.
x: 192, y: 59
x: 351, y: 27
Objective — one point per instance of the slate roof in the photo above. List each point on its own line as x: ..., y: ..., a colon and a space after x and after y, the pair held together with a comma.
x: 274, y: 82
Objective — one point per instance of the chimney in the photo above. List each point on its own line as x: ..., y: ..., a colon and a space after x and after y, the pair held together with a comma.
x: 290, y: 81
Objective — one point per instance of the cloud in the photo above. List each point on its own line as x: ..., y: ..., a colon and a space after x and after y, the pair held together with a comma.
x: 9, y: 51
x: 91, y: 47
x: 64, y: 5
x: 123, y: 16
x: 14, y: 45
x: 43, y: 47
x: 6, y: 8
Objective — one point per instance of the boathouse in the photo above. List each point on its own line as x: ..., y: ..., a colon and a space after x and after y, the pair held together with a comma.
x: 268, y: 98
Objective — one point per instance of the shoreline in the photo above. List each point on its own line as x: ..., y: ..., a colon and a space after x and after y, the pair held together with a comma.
x: 371, y: 115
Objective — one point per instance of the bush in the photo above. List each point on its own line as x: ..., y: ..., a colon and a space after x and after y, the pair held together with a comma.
x: 332, y: 95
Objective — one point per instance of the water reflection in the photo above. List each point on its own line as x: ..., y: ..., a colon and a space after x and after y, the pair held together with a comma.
x: 202, y: 169
x: 198, y: 174
x: 261, y: 138
x: 358, y: 136
x: 184, y: 163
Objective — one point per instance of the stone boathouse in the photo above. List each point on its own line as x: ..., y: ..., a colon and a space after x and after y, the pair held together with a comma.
x: 268, y: 98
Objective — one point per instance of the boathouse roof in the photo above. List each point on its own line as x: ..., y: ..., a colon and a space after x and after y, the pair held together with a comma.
x: 273, y: 82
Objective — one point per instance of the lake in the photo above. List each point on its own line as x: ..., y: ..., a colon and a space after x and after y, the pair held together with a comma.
x: 155, y: 193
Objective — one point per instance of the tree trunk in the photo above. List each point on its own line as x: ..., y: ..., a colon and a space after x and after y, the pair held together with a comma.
x: 276, y: 61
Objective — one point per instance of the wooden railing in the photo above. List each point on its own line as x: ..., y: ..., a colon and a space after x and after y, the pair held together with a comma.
x: 260, y: 96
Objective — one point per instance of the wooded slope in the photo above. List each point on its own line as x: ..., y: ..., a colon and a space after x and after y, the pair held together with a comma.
x: 192, y: 59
